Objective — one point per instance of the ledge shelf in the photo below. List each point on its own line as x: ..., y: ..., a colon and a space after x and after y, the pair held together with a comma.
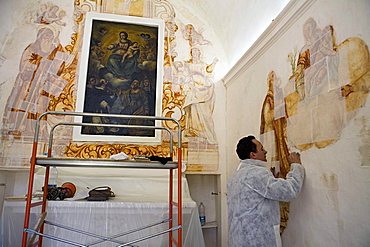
x: 211, y: 224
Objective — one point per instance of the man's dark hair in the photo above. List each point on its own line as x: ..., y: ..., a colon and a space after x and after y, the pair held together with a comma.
x: 245, y: 147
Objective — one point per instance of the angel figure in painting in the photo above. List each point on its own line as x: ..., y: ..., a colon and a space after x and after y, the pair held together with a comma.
x: 199, y: 98
x: 49, y: 14
x: 193, y: 36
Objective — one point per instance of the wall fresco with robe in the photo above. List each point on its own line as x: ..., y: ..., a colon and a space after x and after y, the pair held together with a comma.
x: 46, y: 81
x: 329, y: 83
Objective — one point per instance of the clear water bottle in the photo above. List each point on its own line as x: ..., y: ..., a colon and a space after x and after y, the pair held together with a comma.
x: 53, y: 176
x: 202, y: 214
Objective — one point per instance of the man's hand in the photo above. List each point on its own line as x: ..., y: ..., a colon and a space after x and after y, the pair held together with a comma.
x: 276, y: 175
x: 294, y: 158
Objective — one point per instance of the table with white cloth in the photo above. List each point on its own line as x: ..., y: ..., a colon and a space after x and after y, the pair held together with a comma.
x: 140, y: 200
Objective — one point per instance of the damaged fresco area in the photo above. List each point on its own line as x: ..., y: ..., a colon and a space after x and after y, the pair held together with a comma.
x: 191, y: 82
x: 46, y: 81
x: 42, y: 83
x: 329, y: 83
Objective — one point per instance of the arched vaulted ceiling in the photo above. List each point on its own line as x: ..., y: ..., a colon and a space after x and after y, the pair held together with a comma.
x: 237, y: 23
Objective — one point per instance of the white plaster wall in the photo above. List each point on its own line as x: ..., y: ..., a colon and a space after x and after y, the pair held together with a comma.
x: 219, y: 117
x: 334, y: 206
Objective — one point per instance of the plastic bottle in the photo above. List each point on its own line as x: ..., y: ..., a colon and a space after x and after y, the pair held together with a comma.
x: 53, y: 176
x: 202, y: 214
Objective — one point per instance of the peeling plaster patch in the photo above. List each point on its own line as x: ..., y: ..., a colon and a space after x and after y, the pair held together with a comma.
x: 365, y: 138
x: 330, y: 182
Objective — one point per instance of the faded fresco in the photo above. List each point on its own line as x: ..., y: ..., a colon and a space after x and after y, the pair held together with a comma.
x: 328, y: 84
x: 43, y: 82
x: 46, y: 81
x: 39, y: 77
x: 192, y: 80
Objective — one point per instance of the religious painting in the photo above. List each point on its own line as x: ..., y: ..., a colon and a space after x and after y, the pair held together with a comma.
x: 120, y: 72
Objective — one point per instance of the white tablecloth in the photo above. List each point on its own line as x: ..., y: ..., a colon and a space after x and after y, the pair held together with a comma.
x: 103, y: 218
x: 141, y: 199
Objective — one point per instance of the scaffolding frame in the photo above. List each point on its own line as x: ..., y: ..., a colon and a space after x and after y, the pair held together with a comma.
x: 101, y: 163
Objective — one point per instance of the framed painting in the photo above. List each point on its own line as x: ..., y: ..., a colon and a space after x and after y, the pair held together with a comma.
x: 120, y: 72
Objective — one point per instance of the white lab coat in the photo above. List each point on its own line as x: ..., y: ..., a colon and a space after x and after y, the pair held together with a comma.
x: 253, y: 203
